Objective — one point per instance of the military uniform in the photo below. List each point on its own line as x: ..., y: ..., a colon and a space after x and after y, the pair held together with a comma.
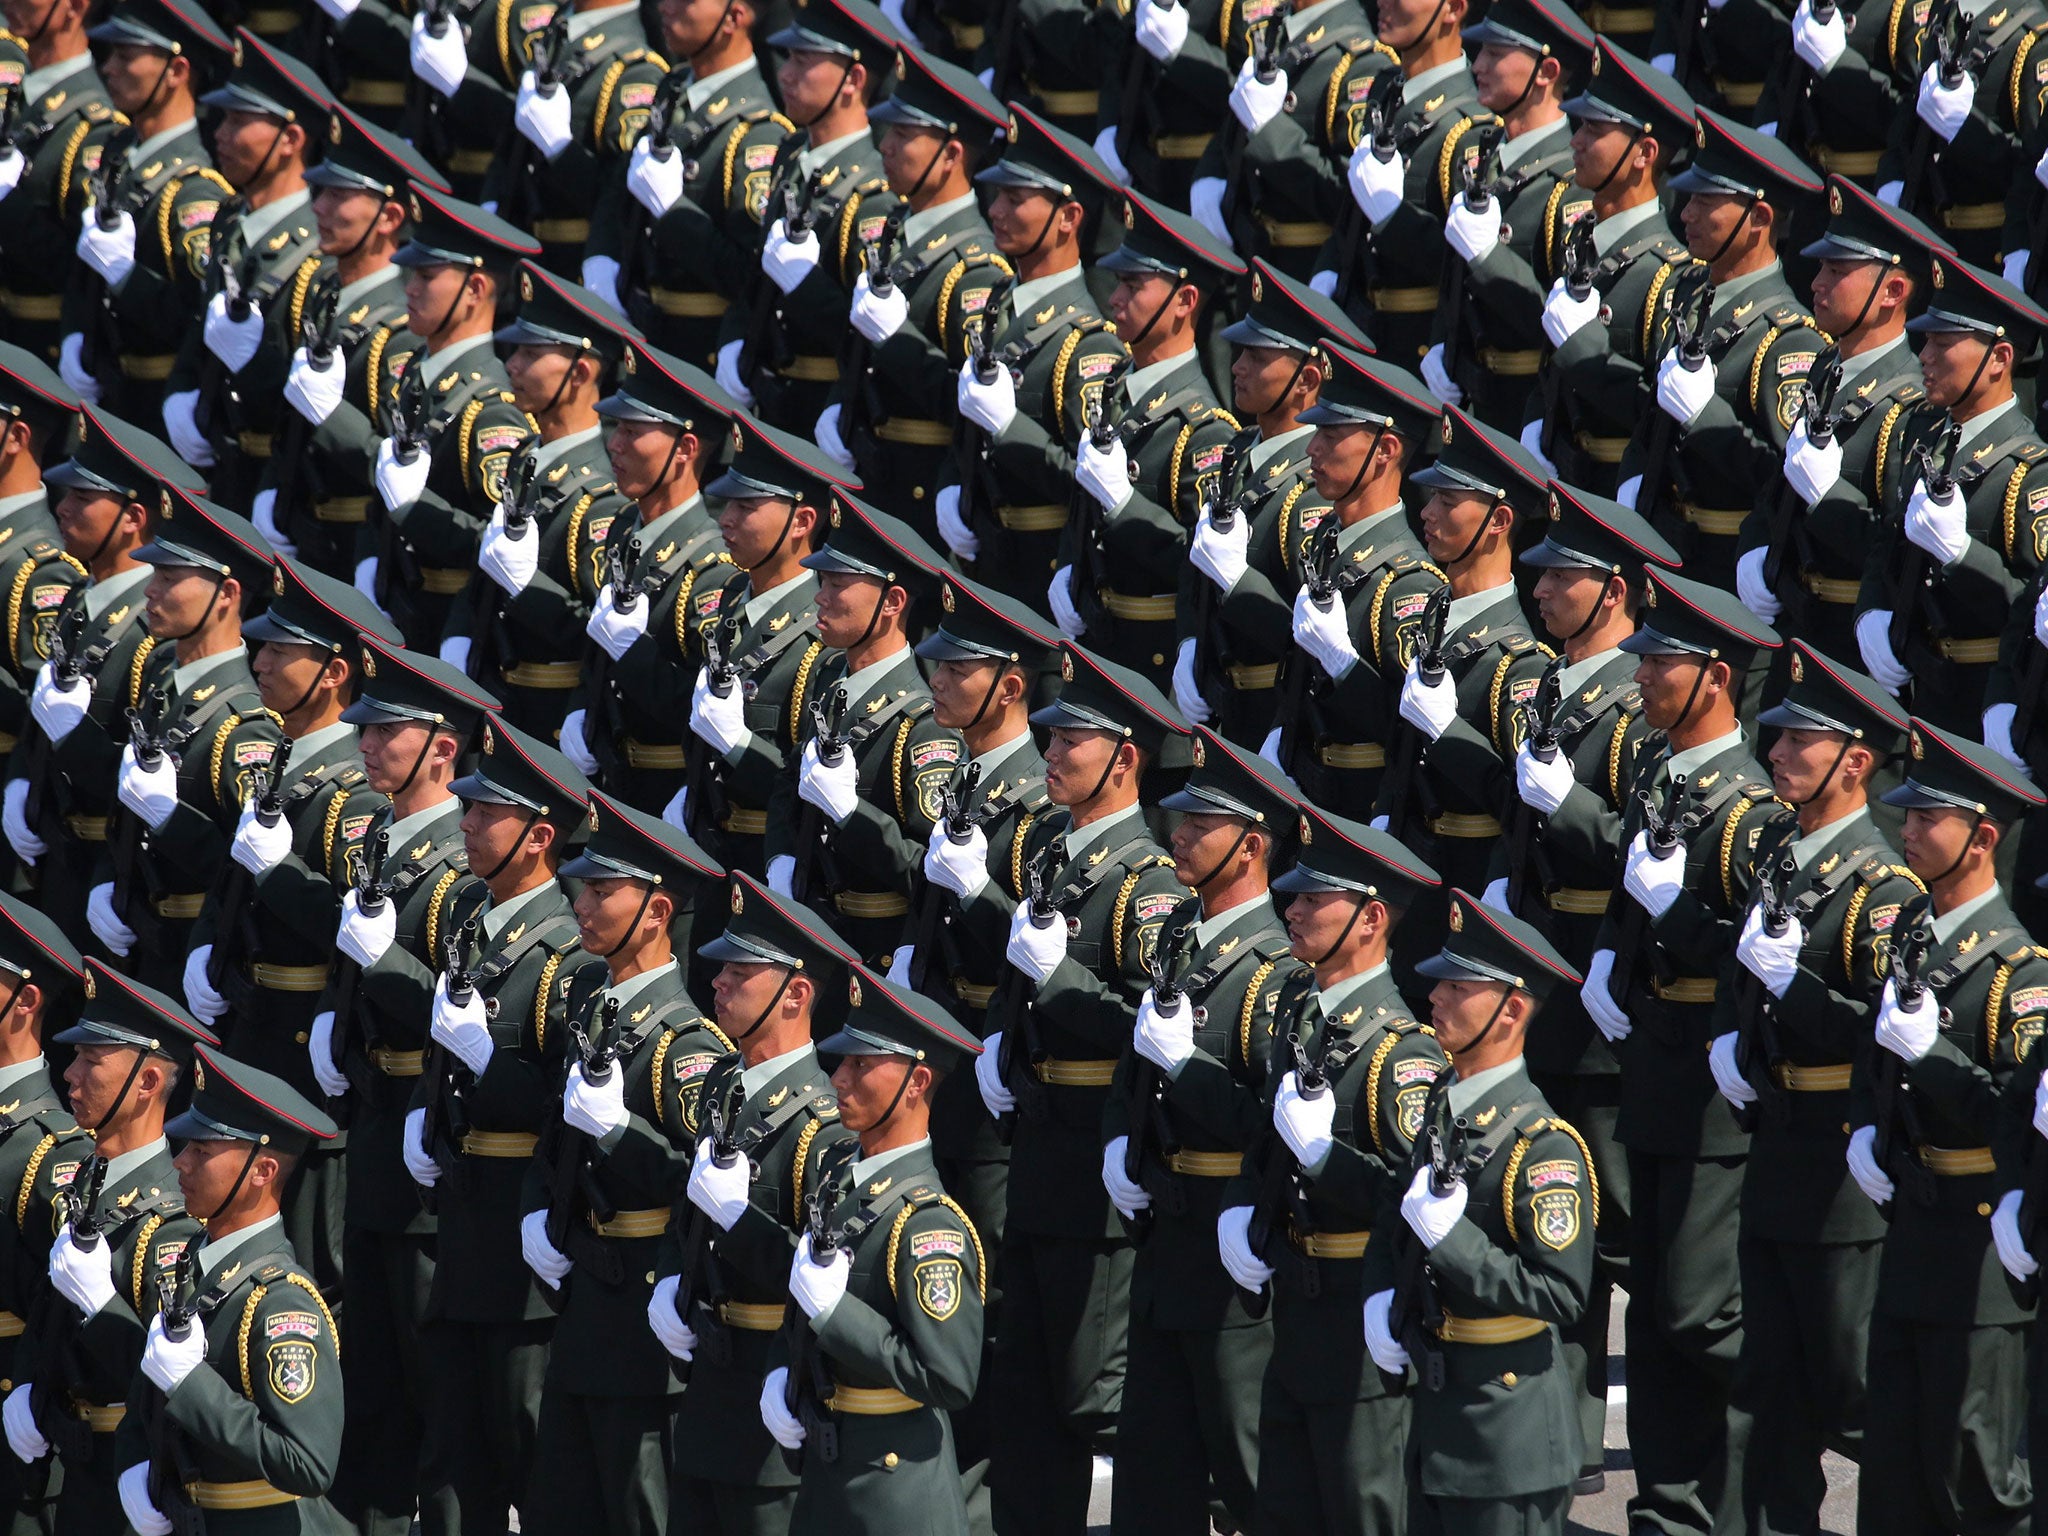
x: 1841, y: 120
x: 1163, y: 114
x: 1731, y: 57
x: 65, y: 116
x: 37, y: 574
x: 1048, y: 54
x: 460, y: 135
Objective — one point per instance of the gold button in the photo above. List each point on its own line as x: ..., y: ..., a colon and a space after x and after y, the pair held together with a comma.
x: 1508, y: 1379
x: 301, y: 1037
x: 650, y: 1277
x: 1983, y: 1209
x: 1158, y: 660
x: 1847, y: 1130
x: 917, y: 493
x: 890, y: 1460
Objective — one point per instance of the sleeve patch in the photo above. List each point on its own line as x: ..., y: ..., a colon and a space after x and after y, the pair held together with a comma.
x: 168, y: 1254
x: 51, y: 596
x: 868, y: 229
x: 1155, y: 908
x: 1408, y: 607
x: 495, y: 439
x: 193, y: 215
x: 640, y: 94
x: 1557, y: 1217
x: 253, y: 752
x: 2028, y: 1000
x: 1799, y: 363
x: 1882, y: 918
x: 939, y: 1285
x: 2026, y: 1034
x: 1417, y: 1069
x: 280, y: 1325
x: 1095, y: 365
x: 1410, y: 1104
x: 692, y: 1068
x: 1208, y: 458
x: 760, y: 157
x: 974, y: 301
x: 2037, y: 499
x: 62, y: 1175
x: 942, y: 750
x: 924, y: 1244
x: 1523, y: 690
x: 354, y: 828
x: 1559, y: 1170
x: 292, y: 1366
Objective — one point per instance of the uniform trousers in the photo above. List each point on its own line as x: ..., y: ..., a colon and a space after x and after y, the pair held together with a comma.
x: 1941, y: 1432
x: 493, y: 1422
x: 1189, y: 1428
x: 600, y: 1466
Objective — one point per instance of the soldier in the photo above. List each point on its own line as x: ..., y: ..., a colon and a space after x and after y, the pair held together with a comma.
x: 877, y: 775
x: 477, y: 1113
x: 1834, y: 101
x: 1941, y: 1448
x: 1050, y: 62
x: 1652, y: 982
x: 85, y: 1337
x: 1489, y: 341
x: 202, y: 719
x: 1184, y: 1102
x: 1562, y: 857
x: 1955, y: 564
x: 1805, y: 544
x: 884, y: 1334
x: 221, y: 1408
x: 780, y: 964
x: 674, y: 235
x: 1006, y: 512
x: 891, y: 414
x: 1331, y: 1427
x: 1136, y: 497
x: 778, y: 353
x: 520, y: 630
x: 1496, y: 1257
x: 1795, y: 1012
x: 417, y: 716
x: 1628, y: 123
x: 1723, y: 55
x: 464, y: 79
x: 599, y: 1199
x: 123, y: 327
x: 221, y: 403
x: 1164, y: 78
x: 1071, y: 1007
x: 458, y: 424
x: 349, y: 294
x: 1228, y: 668
x: 1714, y: 430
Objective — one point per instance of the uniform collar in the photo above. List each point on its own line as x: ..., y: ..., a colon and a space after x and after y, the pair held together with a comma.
x: 38, y: 83
x: 141, y: 154
x: 1027, y: 299
x: 651, y: 533
x: 1692, y: 759
x: 1078, y: 838
x: 184, y: 679
x: 1577, y: 674
x: 1981, y: 426
x: 549, y: 453
x: 1519, y: 148
x: 403, y: 832
x: 1429, y: 79
x: 1465, y: 609
x: 817, y: 156
x: 211, y: 1255
x: 1369, y: 528
x: 584, y: 21
x: 21, y: 1072
x: 919, y: 225
x: 9, y: 505
x: 1264, y: 450
x: 1139, y: 382
x: 119, y: 1168
x: 995, y: 757
x: 627, y: 991
x: 1615, y: 228
x: 498, y: 915
x: 866, y: 1169
x: 758, y: 608
x: 361, y: 288
x: 1865, y: 365
x: 1736, y: 287
x: 258, y: 222
x: 1210, y: 929
x: 698, y: 92
x: 1301, y: 21
x: 432, y: 363
x: 308, y: 748
x: 1465, y: 1092
x: 1331, y: 999
x: 753, y: 1079
x: 1948, y: 923
x: 102, y: 595
x: 1809, y: 847
x: 868, y: 679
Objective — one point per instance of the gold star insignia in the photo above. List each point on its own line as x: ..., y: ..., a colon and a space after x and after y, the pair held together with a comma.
x: 201, y: 695
x: 513, y: 937
x: 881, y: 1184
x: 421, y: 851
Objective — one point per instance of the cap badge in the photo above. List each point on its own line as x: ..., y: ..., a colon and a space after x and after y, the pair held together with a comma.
x: 1649, y: 594
x: 1556, y: 512
x: 1258, y: 287
x: 946, y: 597
x: 739, y: 899
x: 835, y: 512
x: 334, y: 128
x: 277, y: 580
x: 91, y: 990
x: 526, y: 287
x: 163, y: 505
x: 853, y: 990
x: 1457, y: 917
x: 418, y: 209
x: 1699, y: 134
x: 1798, y: 668
x: 1444, y: 427
x: 1130, y: 214
x: 238, y: 53
x: 1940, y: 278
x: 369, y: 663
x: 739, y: 438
x: 1596, y: 61
x: 1308, y: 830
x: 1201, y: 753
x: 1834, y: 199
x: 1013, y: 127
x: 591, y: 819
x: 1918, y: 748
x: 1067, y: 667
x: 198, y: 1076
x: 628, y: 362
x: 490, y: 739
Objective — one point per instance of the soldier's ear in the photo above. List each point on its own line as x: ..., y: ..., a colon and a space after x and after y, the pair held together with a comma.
x: 26, y: 1003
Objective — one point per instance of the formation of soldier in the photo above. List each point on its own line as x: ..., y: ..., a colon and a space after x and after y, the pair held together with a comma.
x: 832, y: 757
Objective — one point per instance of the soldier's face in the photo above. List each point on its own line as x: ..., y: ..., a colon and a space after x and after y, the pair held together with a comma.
x: 810, y: 82
x: 1597, y: 147
x: 1450, y: 521
x: 491, y: 832
x: 1135, y: 299
x: 641, y: 453
x: 605, y: 909
x: 1840, y: 290
x: 907, y: 154
x: 208, y: 1172
x: 344, y: 216
x: 1801, y: 760
x: 1018, y: 215
x: 537, y: 374
x: 1461, y: 1010
x: 1948, y: 360
x: 1667, y: 683
x: 1565, y: 596
x: 389, y: 752
x: 751, y: 528
x: 1502, y: 75
x: 958, y: 688
x: 1316, y: 921
x: 1711, y: 221
x: 1336, y: 453
x: 286, y: 671
x: 246, y: 145
x: 1933, y: 840
x: 1257, y: 377
x: 432, y: 296
x: 1200, y: 843
x: 741, y: 993
x: 867, y: 1088
x: 687, y: 25
x: 846, y: 607
x: 85, y: 519
x: 132, y: 74
x: 96, y: 1077
x: 178, y: 599
x: 1074, y: 763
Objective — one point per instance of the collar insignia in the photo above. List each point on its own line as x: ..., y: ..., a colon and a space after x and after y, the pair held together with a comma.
x: 513, y: 936
x: 641, y: 1013
x: 1487, y: 1115
x: 1707, y: 781
x: 1592, y: 693
x: 881, y: 1184
x: 778, y: 623
x: 1968, y: 944
x: 1348, y: 1019
x: 777, y: 1097
x: 201, y: 695
x: 421, y: 851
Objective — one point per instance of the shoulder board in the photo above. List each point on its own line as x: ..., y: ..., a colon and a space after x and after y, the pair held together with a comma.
x: 822, y: 1106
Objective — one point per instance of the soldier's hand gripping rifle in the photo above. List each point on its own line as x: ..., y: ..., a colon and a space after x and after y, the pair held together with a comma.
x: 231, y: 280
x: 235, y: 911
x: 50, y: 1398
x: 765, y: 349
x: 523, y: 486
x: 636, y: 261
x: 1797, y: 119
x: 1478, y: 175
x: 1689, y: 332
x: 1264, y: 39
x: 1105, y: 431
x: 1405, y: 793
x: 319, y: 335
x: 414, y: 428
x: 372, y: 892
x: 151, y: 743
x: 960, y: 815
x: 968, y: 436
x: 828, y: 721
x: 103, y: 341
x: 526, y: 198
x: 172, y: 1469
x: 1319, y: 575
x: 705, y: 791
x: 624, y: 582
x: 1758, y: 1050
x: 1666, y: 829
x: 1579, y: 263
x: 1949, y: 27
x: 1014, y: 1012
x: 1383, y: 101
x: 1817, y: 411
x: 1541, y: 727
x: 1233, y: 482
x: 1894, y: 1116
x: 809, y: 1386
x: 424, y: 104
x: 1151, y: 1138
x: 1917, y: 568
x: 698, y: 1273
x: 575, y: 1197
x: 1417, y: 1316
x: 1279, y: 1199
x: 71, y: 659
x: 445, y: 1119
x: 856, y: 352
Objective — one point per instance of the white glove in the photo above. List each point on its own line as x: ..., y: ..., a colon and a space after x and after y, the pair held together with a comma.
x: 1036, y: 951
x: 816, y: 1287
x: 263, y: 513
x: 542, y: 117
x: 991, y: 406
x: 167, y: 1361
x: 1542, y: 786
x: 1531, y: 438
x: 1430, y: 1216
x: 1126, y: 1195
x: 1629, y: 492
x: 364, y: 936
x: 1205, y: 202
x: 1942, y: 109
x: 105, y: 922
x: 1874, y: 642
x: 597, y: 1109
x: 1666, y: 62
x: 151, y: 793
x: 1891, y: 192
x: 720, y: 719
x: 1187, y: 693
x: 899, y: 964
x: 340, y: 10
x: 1429, y: 707
x: 366, y: 579
x: 878, y: 316
x: 71, y: 368
x: 259, y: 848
x: 988, y: 1077
x: 677, y: 812
x: 144, y: 1516
x: 1269, y: 749
x: 1750, y: 586
x: 575, y: 743
x: 1564, y: 316
x: 677, y: 1336
x: 1162, y: 29
x: 960, y: 538
x: 82, y: 1276
x: 2014, y: 267
x: 2005, y: 1236
x: 1908, y: 1033
x: 1059, y: 593
x: 413, y: 1148
x: 464, y: 1028
x: 2041, y: 1106
x: 786, y: 1428
x: 656, y: 181
x: 1939, y: 527
x: 109, y: 252
x: 1772, y: 958
x: 1998, y: 719
x: 1324, y: 632
x: 1234, y: 1246
x: 728, y: 371
x: 1654, y: 879
x: 1221, y: 553
x: 788, y: 262
x: 181, y: 426
x: 833, y: 788
x: 1495, y: 895
x: 1257, y: 102
x: 1165, y: 1037
x: 1105, y: 146
x: 12, y: 164
x: 961, y: 868
x: 1323, y: 282
x: 1386, y: 1350
x: 1376, y: 184
x: 2041, y: 617
x: 21, y: 836
x: 1820, y: 43
x: 320, y: 1050
x: 1472, y: 232
x: 440, y: 61
x: 455, y: 651
x: 1598, y: 999
x: 398, y: 482
x: 511, y: 562
x: 201, y: 997
x: 542, y: 1256
x: 1683, y: 391
x: 601, y: 277
x: 1306, y: 1123
x: 825, y: 432
x: 23, y: 1438
x: 2041, y: 168
x: 233, y: 341
x: 1438, y: 377
x: 1862, y: 1158
x: 617, y: 631
x: 719, y: 1192
x: 781, y: 876
x: 1105, y: 473
x: 1735, y: 1088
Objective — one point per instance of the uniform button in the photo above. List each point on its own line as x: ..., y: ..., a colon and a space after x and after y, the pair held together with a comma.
x: 1158, y: 659
x: 301, y: 1037
x: 891, y: 1460
x: 1508, y: 1379
x: 1983, y: 1209
x: 650, y: 1277
x: 917, y: 493
x: 1847, y: 1129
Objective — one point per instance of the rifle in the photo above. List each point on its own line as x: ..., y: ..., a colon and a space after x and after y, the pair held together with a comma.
x: 1689, y: 327
x: 1895, y: 1118
x: 1222, y: 514
x: 171, y: 1466
x: 69, y: 661
x: 422, y: 102
x: 1917, y: 570
x: 1757, y: 1048
x: 1264, y: 39
x: 103, y: 342
x: 1083, y: 509
x: 856, y: 351
x: 1417, y: 1316
x: 1405, y: 792
x: 1318, y: 572
x: 697, y: 1262
x: 623, y: 577
x: 1134, y: 100
x: 661, y: 143
x: 414, y: 427
x: 1954, y: 56
x: 146, y: 734
x: 575, y: 1193
x: 1479, y: 175
x: 216, y: 386
x: 524, y: 199
x: 764, y: 348
x: 1383, y: 101
x: 1688, y: 29
x: 1796, y: 118
x: 960, y: 816
x: 1017, y: 1014
x: 1151, y: 1134
x: 445, y: 1120
x: 1666, y: 828
x: 1820, y: 431
x: 1580, y: 260
x: 1003, y: 61
x: 828, y: 723
x: 50, y: 1397
x: 809, y: 1385
x: 318, y: 335
x: 1280, y: 1198
x: 1540, y: 724
x: 981, y: 352
x: 721, y: 676
x: 371, y: 893
x: 231, y: 897
x: 523, y: 487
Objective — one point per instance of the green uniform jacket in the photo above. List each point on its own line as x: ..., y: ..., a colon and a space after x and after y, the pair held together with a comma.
x: 38, y: 577
x: 1840, y: 121
x: 1053, y: 58
x: 41, y: 1147
x: 461, y: 134
x: 59, y: 134
x: 1166, y: 115
x: 1738, y: 48
x: 2017, y: 670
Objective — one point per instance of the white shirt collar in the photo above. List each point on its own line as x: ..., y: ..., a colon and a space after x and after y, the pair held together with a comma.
x: 918, y: 225
x: 258, y: 222
x: 1029, y: 298
x: 753, y: 1079
x: 211, y: 1254
x: 498, y: 915
x: 1693, y: 758
x: 758, y: 608
x: 698, y: 92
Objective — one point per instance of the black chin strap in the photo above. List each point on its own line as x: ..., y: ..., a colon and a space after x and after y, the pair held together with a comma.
x: 12, y: 996
x: 1593, y: 612
x: 567, y: 374
x: 1982, y: 363
x: 1976, y: 821
x: 1372, y: 448
x: 1358, y: 902
x: 235, y: 1188
x: 1635, y: 135
x: 447, y: 315
x: 1821, y: 788
x: 1043, y: 230
x: 1692, y: 698
x: 875, y: 618
x: 1132, y: 345
x: 987, y: 698
x: 901, y: 1088
x: 1870, y: 298
x: 218, y: 578
x: 1506, y: 993
x: 1244, y: 831
x: 844, y: 75
x: 141, y: 1055
x: 1107, y: 769
x: 788, y: 523
x: 416, y: 764
x: 761, y: 1018
x: 632, y: 928
x: 525, y: 827
x: 108, y: 537
x: 925, y: 175
x: 305, y: 697
x: 717, y: 27
x: 1273, y: 404
x: 1477, y: 534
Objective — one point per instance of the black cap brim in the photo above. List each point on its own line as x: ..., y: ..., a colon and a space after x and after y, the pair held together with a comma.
x: 730, y: 948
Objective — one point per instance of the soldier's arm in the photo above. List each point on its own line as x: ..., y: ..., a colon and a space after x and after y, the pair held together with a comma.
x: 39, y: 585
x: 109, y: 1343
x: 1286, y: 162
x: 1835, y: 1021
x: 1207, y: 1090
x: 521, y: 1083
x: 1103, y: 1006
x: 1698, y: 930
x: 1479, y: 756
x: 164, y: 300
x: 1026, y: 453
x: 885, y: 837
x: 327, y: 847
x: 931, y: 1350
x: 762, y: 1242
x: 2004, y: 685
x: 1360, y: 1176
x: 1987, y: 573
x: 656, y: 1154
x: 1385, y: 615
x: 1152, y: 534
x: 2009, y: 1021
x: 1586, y: 827
x: 1553, y: 1206
x: 483, y: 441
x: 195, y: 836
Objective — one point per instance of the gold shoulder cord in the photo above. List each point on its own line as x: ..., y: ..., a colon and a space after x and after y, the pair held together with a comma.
x: 329, y: 828
x: 1024, y: 820
x: 606, y: 89
x: 1286, y: 518
x: 1251, y: 1005
x: 1728, y: 831
x: 441, y: 886
x: 804, y: 1138
x: 1059, y: 373
x: 1522, y: 1144
x: 1622, y: 720
x: 733, y: 141
x: 301, y: 285
x: 135, y: 669
x: 1372, y: 1087
x: 1993, y: 1002
x: 15, y: 594
x: 319, y: 1301
x: 28, y: 1180
x: 540, y: 1001
x: 896, y: 768
x: 379, y: 339
x: 242, y: 1338
x: 470, y: 412
x: 1662, y: 277
x: 1884, y: 437
x: 139, y: 1266
x: 2009, y: 515
x: 796, y: 692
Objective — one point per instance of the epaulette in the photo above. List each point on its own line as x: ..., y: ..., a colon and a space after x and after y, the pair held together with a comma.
x: 2030, y: 452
